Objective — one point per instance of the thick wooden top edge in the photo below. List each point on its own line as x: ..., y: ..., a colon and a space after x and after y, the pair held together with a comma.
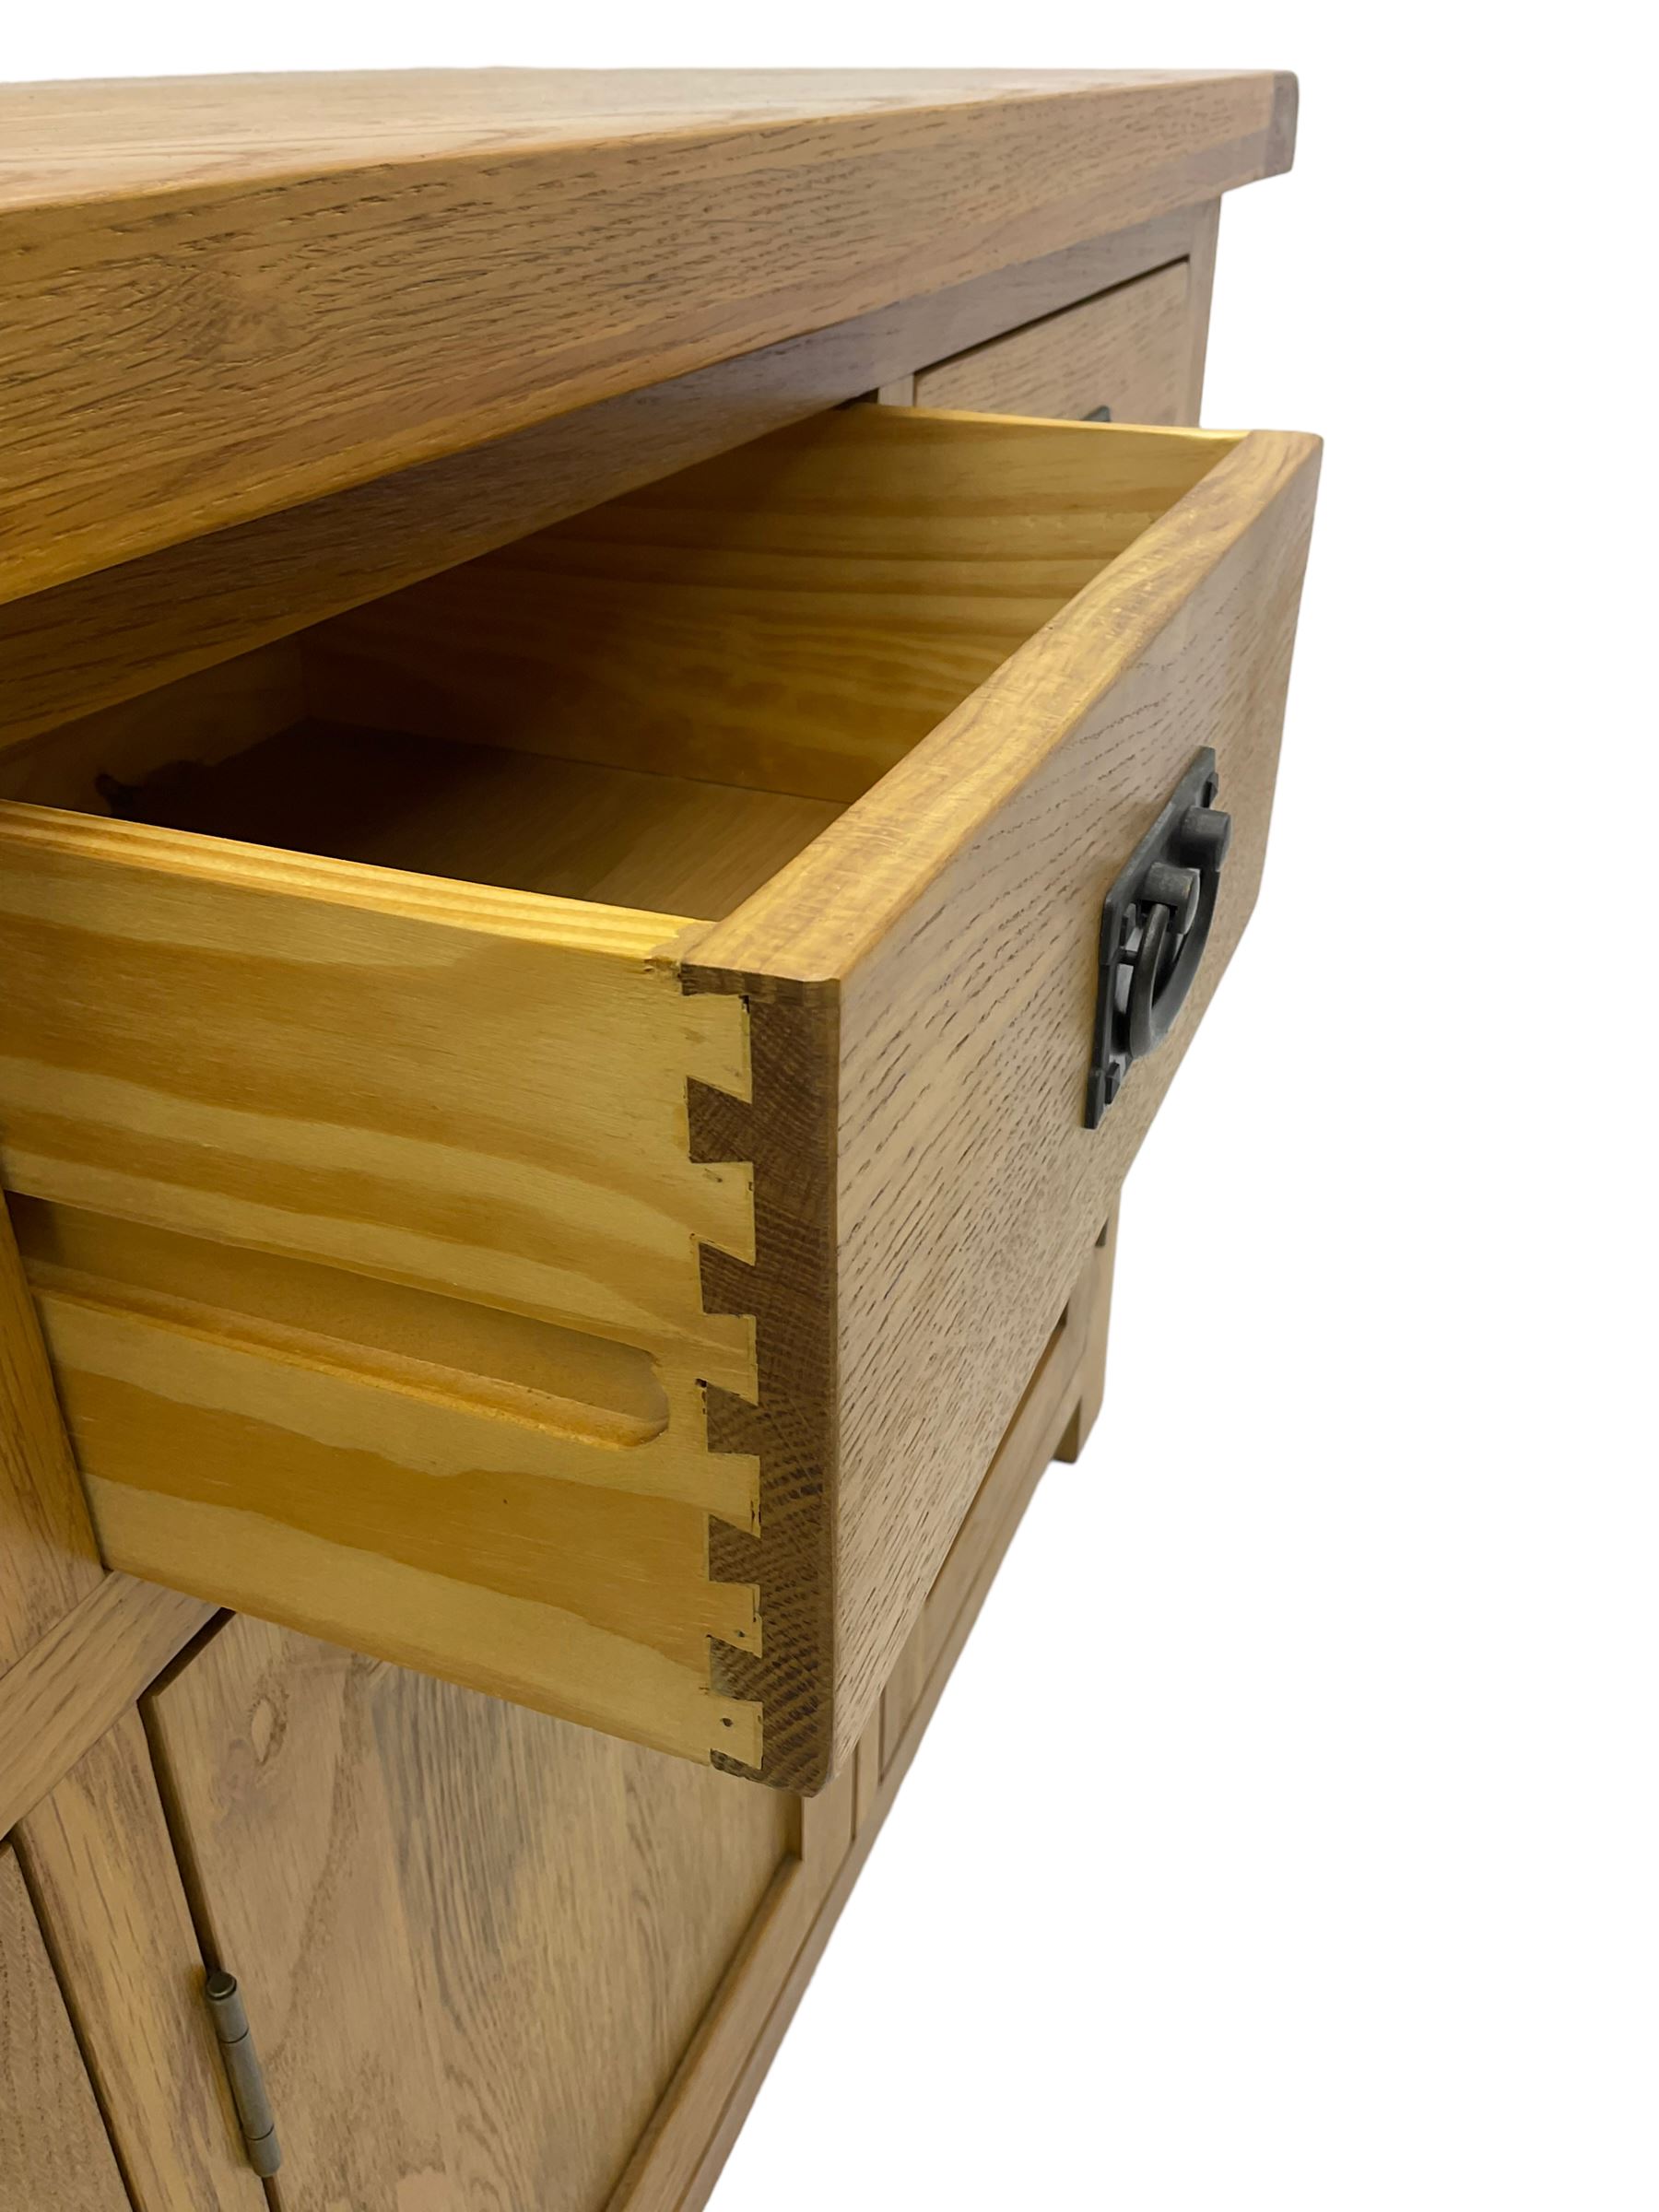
x: 63, y: 143
x: 306, y: 328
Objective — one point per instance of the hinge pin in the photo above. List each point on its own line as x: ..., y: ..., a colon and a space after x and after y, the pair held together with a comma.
x: 244, y: 2072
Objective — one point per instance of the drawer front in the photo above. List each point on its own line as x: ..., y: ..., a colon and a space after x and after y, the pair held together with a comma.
x: 951, y: 919
x: 617, y: 1309
x: 1135, y: 350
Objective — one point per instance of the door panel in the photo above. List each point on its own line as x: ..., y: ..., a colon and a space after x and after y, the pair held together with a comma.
x: 101, y: 1870
x: 474, y: 1942
x: 54, y: 2155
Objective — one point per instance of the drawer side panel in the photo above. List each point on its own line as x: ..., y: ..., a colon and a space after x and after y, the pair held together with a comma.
x: 477, y: 1093
x: 361, y: 1216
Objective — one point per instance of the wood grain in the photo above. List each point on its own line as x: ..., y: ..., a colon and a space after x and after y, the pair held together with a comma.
x: 403, y: 1079
x: 101, y: 1869
x: 454, y: 1269
x: 283, y: 352
x: 494, y: 1359
x: 477, y: 1149
x: 53, y: 2151
x: 60, y: 1697
x: 107, y: 637
x: 955, y: 909
x: 473, y: 1943
x: 432, y: 1534
x: 1128, y: 350
x: 49, y: 1559
x: 793, y: 616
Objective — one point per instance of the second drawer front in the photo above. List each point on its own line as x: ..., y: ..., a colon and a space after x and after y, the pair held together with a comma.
x: 1132, y: 349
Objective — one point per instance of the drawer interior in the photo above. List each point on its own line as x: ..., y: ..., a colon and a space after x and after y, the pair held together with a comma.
x: 657, y: 704
x: 484, y: 813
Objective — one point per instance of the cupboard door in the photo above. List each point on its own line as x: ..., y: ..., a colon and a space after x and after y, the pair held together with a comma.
x: 474, y: 1942
x: 54, y: 2155
x: 112, y: 1902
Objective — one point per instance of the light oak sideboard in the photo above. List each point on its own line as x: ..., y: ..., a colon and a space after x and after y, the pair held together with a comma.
x: 634, y: 728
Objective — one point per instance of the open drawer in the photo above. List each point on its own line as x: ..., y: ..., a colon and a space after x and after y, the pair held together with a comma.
x: 544, y: 1113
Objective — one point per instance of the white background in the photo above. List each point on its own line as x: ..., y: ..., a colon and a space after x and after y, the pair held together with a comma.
x: 1287, y: 1836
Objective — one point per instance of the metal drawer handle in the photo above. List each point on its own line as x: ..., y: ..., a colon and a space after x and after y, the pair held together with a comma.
x: 1154, y: 926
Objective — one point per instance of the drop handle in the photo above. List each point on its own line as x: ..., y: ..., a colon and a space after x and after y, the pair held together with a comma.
x: 1154, y: 926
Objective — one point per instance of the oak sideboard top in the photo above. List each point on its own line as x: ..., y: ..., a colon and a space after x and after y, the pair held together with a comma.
x: 226, y: 296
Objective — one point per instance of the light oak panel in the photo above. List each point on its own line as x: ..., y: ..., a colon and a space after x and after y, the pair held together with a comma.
x: 100, y: 1866
x: 285, y: 352
x: 473, y: 1943
x: 1128, y: 350
x: 53, y: 2151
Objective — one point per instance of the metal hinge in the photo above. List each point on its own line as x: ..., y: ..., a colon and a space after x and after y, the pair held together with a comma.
x: 244, y: 2072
